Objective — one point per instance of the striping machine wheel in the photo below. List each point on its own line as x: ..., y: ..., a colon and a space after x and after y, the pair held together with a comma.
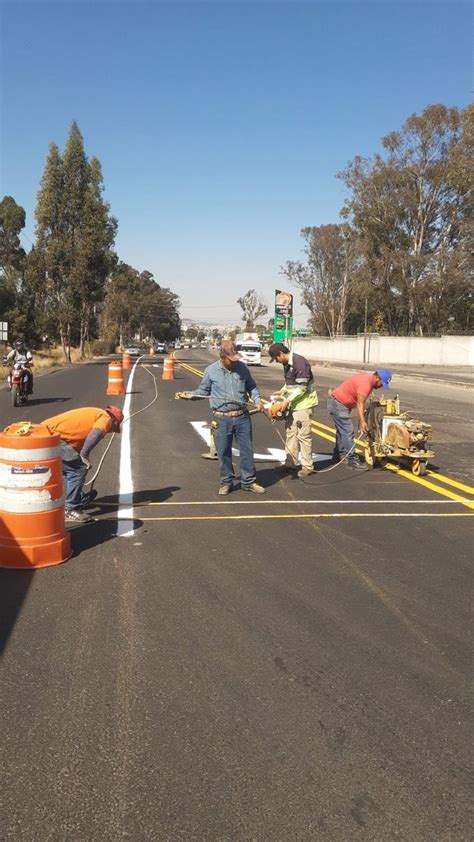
x: 418, y: 467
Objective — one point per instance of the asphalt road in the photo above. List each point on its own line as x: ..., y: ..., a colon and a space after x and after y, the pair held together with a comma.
x: 291, y: 666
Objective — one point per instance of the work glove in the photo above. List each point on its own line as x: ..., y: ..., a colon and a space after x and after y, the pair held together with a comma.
x: 85, y: 462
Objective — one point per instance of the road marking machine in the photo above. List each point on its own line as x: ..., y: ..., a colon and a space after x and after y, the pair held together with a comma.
x: 395, y: 435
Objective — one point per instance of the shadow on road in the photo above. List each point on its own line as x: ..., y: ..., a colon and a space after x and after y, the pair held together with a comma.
x: 91, y: 535
x: 14, y: 585
x: 39, y: 401
x: 156, y: 495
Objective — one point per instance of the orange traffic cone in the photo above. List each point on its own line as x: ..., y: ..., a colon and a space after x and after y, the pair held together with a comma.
x: 126, y: 361
x: 168, y: 369
x: 115, y: 386
x: 32, y: 531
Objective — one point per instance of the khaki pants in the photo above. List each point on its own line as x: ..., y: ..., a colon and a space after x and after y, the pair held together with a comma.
x: 299, y: 437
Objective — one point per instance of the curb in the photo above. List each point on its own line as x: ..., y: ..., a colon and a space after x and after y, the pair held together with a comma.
x: 423, y: 377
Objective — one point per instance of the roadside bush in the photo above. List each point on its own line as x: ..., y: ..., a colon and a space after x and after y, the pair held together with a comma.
x: 102, y: 347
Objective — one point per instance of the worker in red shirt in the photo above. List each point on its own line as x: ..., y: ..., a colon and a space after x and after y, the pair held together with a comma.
x: 353, y: 392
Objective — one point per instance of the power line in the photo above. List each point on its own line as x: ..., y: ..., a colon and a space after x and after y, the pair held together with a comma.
x: 208, y: 307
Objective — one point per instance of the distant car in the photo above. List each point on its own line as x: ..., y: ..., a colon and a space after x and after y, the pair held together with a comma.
x: 186, y: 345
x: 203, y: 344
x: 160, y: 347
x: 133, y: 351
x: 178, y: 346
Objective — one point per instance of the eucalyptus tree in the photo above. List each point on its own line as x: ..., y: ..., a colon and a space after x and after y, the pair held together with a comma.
x: 332, y: 257
x: 253, y: 306
x: 409, y: 210
x: 75, y: 235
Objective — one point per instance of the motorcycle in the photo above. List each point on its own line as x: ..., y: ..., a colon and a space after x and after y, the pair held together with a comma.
x: 17, y: 381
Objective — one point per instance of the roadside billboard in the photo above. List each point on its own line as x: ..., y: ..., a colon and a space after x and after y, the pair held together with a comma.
x: 283, y: 318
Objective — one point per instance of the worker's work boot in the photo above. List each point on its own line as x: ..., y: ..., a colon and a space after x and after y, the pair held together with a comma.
x: 357, y: 466
x: 255, y: 488
x: 76, y: 516
x: 224, y: 490
x: 305, y: 472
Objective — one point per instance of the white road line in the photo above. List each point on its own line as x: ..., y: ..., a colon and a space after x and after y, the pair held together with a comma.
x: 275, y: 454
x: 125, y: 518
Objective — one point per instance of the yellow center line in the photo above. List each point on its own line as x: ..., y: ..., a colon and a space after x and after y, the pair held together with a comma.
x: 448, y: 481
x: 427, y: 484
x: 330, y: 436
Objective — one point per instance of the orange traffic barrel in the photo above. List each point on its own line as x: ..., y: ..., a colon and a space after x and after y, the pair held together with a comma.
x: 32, y: 531
x: 168, y: 369
x: 115, y: 386
x: 126, y: 361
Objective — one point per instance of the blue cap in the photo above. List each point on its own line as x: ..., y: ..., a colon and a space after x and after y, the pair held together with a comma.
x: 385, y: 376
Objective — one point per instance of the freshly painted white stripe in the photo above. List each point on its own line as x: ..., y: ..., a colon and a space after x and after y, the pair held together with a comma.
x: 21, y: 454
x: 275, y: 454
x: 125, y: 515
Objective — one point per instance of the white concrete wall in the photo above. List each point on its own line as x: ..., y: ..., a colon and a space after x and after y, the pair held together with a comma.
x: 405, y: 350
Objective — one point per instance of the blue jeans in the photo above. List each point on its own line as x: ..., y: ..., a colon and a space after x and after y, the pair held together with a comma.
x: 74, y: 474
x: 341, y: 416
x: 240, y: 428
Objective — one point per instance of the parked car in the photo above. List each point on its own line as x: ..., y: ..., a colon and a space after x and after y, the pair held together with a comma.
x: 203, y: 345
x: 177, y: 346
x: 160, y: 347
x: 133, y: 351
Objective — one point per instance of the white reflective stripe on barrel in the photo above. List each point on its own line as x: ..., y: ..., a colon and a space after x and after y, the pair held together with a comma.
x: 27, y: 502
x: 12, y: 454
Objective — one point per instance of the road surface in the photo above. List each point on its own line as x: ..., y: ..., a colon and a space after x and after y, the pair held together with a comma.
x: 290, y: 666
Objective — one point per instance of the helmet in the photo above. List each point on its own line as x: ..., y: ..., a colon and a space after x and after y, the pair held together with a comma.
x: 116, y: 413
x: 19, y: 343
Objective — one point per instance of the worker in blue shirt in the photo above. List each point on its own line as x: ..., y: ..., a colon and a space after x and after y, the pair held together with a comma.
x: 229, y: 385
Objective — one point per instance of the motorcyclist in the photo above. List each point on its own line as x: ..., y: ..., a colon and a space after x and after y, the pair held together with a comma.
x: 21, y: 354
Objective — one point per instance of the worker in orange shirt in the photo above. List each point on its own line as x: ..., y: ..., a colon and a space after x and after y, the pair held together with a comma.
x: 353, y: 393
x: 80, y: 431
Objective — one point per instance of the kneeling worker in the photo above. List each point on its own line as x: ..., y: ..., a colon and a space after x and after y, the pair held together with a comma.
x: 353, y: 392
x: 80, y: 431
x: 299, y: 396
x: 229, y: 384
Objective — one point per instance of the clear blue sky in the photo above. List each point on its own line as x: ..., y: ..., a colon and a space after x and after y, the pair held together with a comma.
x: 220, y: 125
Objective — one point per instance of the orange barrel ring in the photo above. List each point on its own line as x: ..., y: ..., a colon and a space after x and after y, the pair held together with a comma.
x: 115, y: 385
x: 126, y: 361
x: 32, y: 530
x: 168, y: 369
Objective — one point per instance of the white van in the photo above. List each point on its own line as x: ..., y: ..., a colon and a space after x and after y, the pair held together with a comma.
x: 251, y: 351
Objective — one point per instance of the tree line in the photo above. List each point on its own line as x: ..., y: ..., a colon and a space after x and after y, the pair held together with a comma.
x: 71, y: 285
x: 400, y: 259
